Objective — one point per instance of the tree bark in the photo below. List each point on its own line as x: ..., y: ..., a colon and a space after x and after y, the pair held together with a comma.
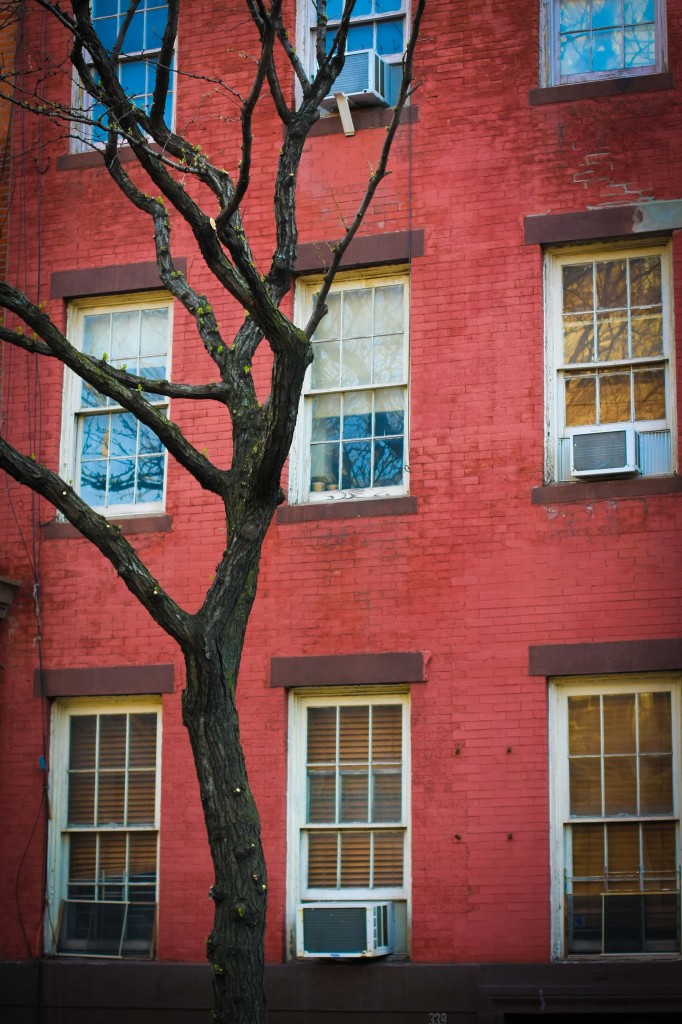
x: 235, y: 945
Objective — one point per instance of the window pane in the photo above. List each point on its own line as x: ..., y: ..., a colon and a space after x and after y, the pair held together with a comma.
x: 647, y: 335
x: 581, y: 400
x: 141, y: 798
x: 357, y: 415
x: 356, y: 367
x: 142, y: 864
x: 121, y: 482
x: 326, y: 372
x: 81, y: 798
x: 97, y: 334
x: 355, y: 859
x: 620, y: 785
x: 645, y: 281
x: 584, y: 729
x: 321, y: 796
x: 619, y: 723
x: 611, y: 282
x: 606, y: 13
x: 612, y: 334
x: 95, y: 437
x: 111, y: 798
x: 574, y: 15
x: 390, y: 37
x: 123, y: 437
x: 82, y: 866
x: 83, y: 741
x: 353, y: 733
x: 585, y: 785
x: 92, y: 482
x: 360, y: 37
x: 655, y: 722
x: 142, y: 741
x: 354, y: 796
x: 125, y: 336
x: 324, y: 467
x: 578, y: 295
x: 614, y: 398
x: 386, y: 796
x: 649, y: 394
x: 607, y: 50
x: 112, y: 741
x: 322, y: 860
x: 357, y: 465
x: 326, y: 424
x: 112, y: 865
x: 388, y: 463
x: 588, y: 851
x: 389, y: 308
x: 388, y: 858
x: 150, y: 476
x: 330, y: 324
x: 639, y: 46
x: 656, y: 784
x: 357, y: 313
x: 322, y: 735
x: 387, y: 732
x: 578, y: 338
x: 574, y: 54
x: 623, y: 856
x: 388, y: 360
x: 658, y: 851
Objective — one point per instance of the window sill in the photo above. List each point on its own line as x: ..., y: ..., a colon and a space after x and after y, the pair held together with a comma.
x: 347, y: 509
x: 131, y: 525
x: 369, y: 117
x: 603, y: 490
x: 602, y: 87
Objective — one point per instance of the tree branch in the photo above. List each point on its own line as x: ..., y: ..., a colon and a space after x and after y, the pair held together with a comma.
x: 104, y: 535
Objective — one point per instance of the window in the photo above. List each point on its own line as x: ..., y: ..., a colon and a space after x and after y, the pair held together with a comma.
x: 610, y: 383
x: 378, y: 26
x: 349, y: 793
x: 352, y: 437
x: 616, y: 800
x: 592, y: 39
x: 136, y: 63
x: 104, y: 841
x: 117, y: 464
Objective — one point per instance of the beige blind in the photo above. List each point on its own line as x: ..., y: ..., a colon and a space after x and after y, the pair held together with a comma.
x: 354, y: 777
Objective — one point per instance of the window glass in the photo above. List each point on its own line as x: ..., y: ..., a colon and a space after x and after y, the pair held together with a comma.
x: 605, y: 38
x: 119, y: 461
x: 621, y: 877
x: 357, y: 393
x: 109, y: 836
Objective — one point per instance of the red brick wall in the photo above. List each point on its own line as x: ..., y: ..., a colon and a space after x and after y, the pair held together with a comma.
x: 474, y: 578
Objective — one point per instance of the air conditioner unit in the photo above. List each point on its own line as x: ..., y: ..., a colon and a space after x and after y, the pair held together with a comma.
x: 363, y: 80
x: 604, y: 453
x: 344, y: 929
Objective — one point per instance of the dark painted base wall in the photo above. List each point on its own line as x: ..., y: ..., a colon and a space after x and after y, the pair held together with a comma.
x: 82, y: 991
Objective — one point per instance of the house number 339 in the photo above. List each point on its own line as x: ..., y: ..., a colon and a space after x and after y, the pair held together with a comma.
x: 438, y: 1018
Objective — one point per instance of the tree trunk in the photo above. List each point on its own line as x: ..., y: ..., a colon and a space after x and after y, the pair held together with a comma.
x: 235, y: 946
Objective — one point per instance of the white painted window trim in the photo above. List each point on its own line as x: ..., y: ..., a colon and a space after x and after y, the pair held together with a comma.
x: 555, y: 259
x: 69, y: 457
x: 549, y: 50
x: 299, y: 460
x: 57, y: 859
x: 299, y: 702
x: 559, y: 691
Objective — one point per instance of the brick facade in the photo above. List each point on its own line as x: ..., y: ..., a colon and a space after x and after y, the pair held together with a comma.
x: 475, y: 573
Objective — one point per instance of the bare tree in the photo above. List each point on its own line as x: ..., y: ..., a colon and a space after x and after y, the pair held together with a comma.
x: 261, y: 433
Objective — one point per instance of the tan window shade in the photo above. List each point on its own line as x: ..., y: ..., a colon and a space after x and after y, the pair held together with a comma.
x: 354, y: 777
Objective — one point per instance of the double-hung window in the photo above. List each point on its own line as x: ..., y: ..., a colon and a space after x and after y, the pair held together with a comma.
x: 610, y: 371
x: 593, y: 39
x: 617, y: 815
x: 105, y: 828
x: 136, y: 63
x: 349, y: 793
x: 117, y: 463
x: 352, y: 437
x: 378, y: 32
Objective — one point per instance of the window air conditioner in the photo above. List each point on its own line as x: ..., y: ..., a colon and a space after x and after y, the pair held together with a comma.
x: 344, y: 929
x: 604, y: 453
x: 363, y: 80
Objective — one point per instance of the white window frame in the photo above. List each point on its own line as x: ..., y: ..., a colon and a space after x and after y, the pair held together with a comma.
x: 57, y: 849
x: 299, y: 463
x: 81, y: 137
x: 297, y: 890
x: 69, y: 461
x: 555, y: 428
x: 549, y: 50
x: 559, y: 692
